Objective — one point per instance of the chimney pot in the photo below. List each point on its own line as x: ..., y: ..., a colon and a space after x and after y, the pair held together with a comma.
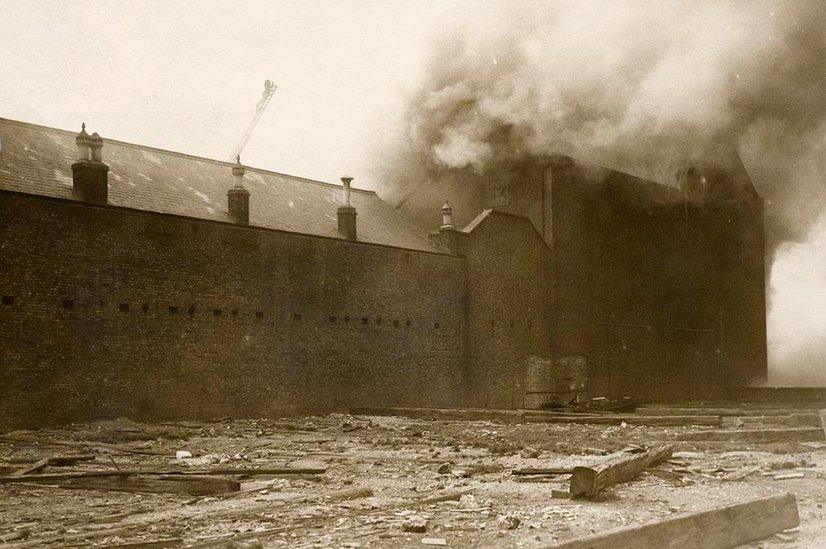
x: 90, y: 179
x: 345, y: 181
x: 96, y: 146
x: 447, y: 216
x: 83, y: 144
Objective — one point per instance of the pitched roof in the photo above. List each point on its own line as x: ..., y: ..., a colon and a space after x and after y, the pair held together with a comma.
x: 37, y: 160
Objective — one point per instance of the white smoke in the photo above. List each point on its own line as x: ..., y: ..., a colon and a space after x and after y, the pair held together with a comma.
x: 637, y: 86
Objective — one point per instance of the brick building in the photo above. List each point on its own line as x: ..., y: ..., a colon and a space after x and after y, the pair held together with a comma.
x: 153, y: 284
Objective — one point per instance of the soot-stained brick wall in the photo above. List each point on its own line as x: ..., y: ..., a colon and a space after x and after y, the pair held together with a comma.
x: 509, y: 307
x: 663, y: 295
x: 108, y: 311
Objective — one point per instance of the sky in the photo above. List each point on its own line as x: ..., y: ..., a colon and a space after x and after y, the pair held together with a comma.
x: 186, y: 76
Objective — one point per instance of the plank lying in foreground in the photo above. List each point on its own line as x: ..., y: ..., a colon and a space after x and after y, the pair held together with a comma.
x: 719, y: 528
x: 57, y: 477
x: 157, y: 484
x: 616, y: 468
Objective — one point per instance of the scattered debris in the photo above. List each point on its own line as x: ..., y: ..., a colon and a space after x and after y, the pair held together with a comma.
x: 718, y: 528
x: 616, y: 468
x: 416, y: 524
x: 509, y: 521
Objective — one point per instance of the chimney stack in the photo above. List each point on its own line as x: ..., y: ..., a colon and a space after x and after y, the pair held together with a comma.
x: 447, y: 232
x: 238, y: 198
x: 90, y: 179
x: 346, y: 212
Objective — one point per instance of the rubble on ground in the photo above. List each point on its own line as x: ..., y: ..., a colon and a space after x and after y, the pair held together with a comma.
x: 381, y: 481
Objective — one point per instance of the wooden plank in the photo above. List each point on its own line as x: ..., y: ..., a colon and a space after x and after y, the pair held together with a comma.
x: 157, y: 484
x: 56, y: 461
x: 790, y: 434
x: 543, y: 471
x: 588, y: 481
x: 719, y: 528
x: 617, y: 419
x: 52, y: 477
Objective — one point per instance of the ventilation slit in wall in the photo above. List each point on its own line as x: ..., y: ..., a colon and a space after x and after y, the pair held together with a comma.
x: 8, y: 300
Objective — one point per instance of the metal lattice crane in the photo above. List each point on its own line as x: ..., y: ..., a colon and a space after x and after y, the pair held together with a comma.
x: 269, y: 89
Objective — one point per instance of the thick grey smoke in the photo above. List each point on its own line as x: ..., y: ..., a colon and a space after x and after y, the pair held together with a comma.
x: 638, y: 86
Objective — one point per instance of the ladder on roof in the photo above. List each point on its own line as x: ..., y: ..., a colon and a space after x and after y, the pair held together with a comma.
x: 269, y: 90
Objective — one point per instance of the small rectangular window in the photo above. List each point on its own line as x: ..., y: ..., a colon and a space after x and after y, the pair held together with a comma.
x: 173, y: 310
x: 437, y: 326
x: 378, y: 320
x: 235, y: 312
x: 332, y: 319
x: 346, y: 319
x: 217, y: 312
x: 191, y: 310
x: 259, y: 314
x: 68, y: 304
x: 365, y: 320
x: 408, y: 323
x: 8, y: 300
x: 123, y: 307
x: 145, y: 308
x: 297, y: 317
x: 395, y: 323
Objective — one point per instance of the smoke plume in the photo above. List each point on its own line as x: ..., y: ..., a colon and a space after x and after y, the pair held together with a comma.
x: 642, y: 87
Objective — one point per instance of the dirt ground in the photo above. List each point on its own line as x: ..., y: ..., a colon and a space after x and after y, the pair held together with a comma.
x: 403, y: 462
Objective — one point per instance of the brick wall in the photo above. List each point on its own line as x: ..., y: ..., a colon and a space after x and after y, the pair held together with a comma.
x: 509, y: 307
x: 108, y: 311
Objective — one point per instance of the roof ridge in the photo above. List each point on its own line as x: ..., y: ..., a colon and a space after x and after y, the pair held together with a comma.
x: 187, y: 155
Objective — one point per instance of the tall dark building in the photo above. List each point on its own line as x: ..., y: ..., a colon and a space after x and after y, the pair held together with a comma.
x: 143, y: 282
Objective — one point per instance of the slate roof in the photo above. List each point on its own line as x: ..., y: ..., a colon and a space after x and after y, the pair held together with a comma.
x: 37, y: 160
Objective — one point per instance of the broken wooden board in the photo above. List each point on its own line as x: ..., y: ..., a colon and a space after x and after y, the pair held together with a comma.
x: 616, y: 468
x: 790, y: 434
x: 59, y: 477
x: 718, y: 528
x: 157, y: 484
x: 56, y: 461
x: 543, y: 471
